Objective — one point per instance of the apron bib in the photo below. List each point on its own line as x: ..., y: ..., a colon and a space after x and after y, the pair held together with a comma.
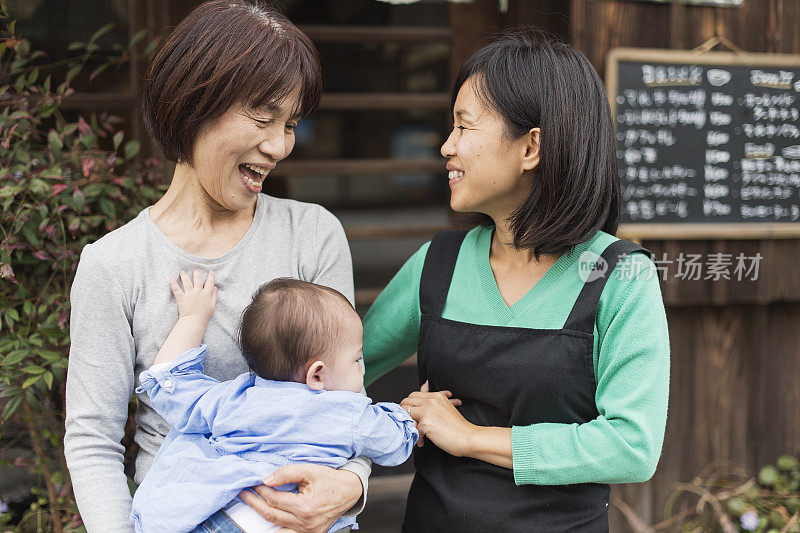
x: 505, y: 376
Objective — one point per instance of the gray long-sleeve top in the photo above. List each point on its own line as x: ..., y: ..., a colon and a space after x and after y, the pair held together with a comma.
x: 123, y: 310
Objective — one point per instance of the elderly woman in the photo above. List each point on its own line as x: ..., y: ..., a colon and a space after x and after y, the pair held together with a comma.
x: 222, y: 99
x: 548, y: 328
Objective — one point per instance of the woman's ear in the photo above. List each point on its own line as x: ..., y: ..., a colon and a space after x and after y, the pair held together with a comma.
x: 532, y: 145
x: 314, y: 376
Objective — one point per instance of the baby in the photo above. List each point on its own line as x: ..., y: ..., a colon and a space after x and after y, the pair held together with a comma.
x: 300, y: 403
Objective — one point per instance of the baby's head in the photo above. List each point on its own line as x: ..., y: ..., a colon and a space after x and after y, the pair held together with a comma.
x: 298, y: 331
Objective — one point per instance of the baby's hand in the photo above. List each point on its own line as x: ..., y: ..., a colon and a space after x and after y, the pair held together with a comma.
x: 195, y: 300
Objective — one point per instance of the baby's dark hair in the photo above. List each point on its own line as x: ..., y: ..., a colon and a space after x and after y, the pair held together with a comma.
x: 288, y: 324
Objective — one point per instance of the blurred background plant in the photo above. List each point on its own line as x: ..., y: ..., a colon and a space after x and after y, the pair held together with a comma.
x: 727, y: 498
x: 63, y: 184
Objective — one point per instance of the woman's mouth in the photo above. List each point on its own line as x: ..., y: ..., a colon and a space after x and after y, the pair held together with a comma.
x: 253, y: 176
x: 454, y: 176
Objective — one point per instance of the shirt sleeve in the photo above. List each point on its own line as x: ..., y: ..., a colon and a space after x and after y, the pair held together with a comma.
x: 182, y: 394
x: 100, y: 382
x: 391, y: 326
x: 623, y: 443
x: 386, y: 434
x: 334, y: 265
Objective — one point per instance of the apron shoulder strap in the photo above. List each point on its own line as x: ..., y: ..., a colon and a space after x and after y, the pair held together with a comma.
x: 583, y: 314
x: 437, y: 271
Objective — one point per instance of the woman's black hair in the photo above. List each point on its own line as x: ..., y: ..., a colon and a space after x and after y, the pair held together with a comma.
x: 533, y: 81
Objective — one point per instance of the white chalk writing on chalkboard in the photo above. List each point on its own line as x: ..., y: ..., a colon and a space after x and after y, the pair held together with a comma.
x: 708, y: 143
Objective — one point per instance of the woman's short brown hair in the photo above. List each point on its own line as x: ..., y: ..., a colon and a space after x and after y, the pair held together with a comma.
x: 226, y: 53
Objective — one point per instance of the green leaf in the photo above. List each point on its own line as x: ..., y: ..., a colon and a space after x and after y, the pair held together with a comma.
x: 54, y: 142
x: 131, y: 149
x: 118, y: 139
x: 11, y: 407
x: 34, y: 74
x: 31, y: 235
x: 48, y: 378
x: 10, y: 190
x: 108, y: 208
x: 138, y: 36
x: 71, y: 73
x: 50, y: 355
x: 96, y: 72
x: 34, y: 369
x: 30, y: 381
x: 14, y: 357
x: 102, y: 31
x: 76, y: 46
x: 13, y: 314
x: 28, y: 308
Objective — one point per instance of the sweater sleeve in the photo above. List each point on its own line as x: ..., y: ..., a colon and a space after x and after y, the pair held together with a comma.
x: 623, y: 443
x: 99, y: 386
x: 391, y: 326
x: 334, y: 265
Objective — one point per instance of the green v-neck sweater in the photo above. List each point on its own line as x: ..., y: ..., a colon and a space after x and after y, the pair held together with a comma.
x: 631, y: 356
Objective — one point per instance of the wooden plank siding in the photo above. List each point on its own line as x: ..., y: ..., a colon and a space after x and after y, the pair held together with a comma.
x: 735, y: 345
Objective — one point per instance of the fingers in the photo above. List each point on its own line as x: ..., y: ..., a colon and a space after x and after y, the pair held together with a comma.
x: 186, y: 281
x: 198, y: 279
x: 286, y: 474
x: 429, y: 395
x: 424, y: 387
x: 455, y: 401
x: 209, y: 282
x: 277, y: 498
x: 270, y: 514
x: 176, y: 289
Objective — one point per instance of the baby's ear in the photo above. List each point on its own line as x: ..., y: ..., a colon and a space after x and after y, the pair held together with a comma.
x: 314, y: 375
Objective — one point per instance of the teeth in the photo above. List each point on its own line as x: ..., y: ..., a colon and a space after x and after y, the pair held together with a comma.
x: 453, y: 174
x: 261, y: 170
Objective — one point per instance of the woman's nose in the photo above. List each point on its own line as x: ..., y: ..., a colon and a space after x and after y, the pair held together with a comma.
x: 273, y: 146
x: 448, y: 148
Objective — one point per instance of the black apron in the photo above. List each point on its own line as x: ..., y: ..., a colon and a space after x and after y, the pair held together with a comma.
x: 505, y: 376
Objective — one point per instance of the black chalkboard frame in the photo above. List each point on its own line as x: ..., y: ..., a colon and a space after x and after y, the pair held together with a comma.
x: 698, y: 231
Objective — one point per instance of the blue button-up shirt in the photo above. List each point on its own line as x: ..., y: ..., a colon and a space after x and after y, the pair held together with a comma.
x: 227, y: 436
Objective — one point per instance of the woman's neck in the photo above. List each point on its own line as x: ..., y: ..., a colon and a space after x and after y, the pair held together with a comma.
x: 194, y: 221
x: 503, y: 251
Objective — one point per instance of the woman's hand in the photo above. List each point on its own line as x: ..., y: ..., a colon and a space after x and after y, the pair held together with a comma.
x: 437, y: 417
x: 324, y: 495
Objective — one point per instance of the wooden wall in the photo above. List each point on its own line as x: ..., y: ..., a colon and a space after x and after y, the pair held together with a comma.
x: 735, y: 346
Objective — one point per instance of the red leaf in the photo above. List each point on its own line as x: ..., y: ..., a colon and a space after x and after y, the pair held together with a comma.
x: 57, y: 188
x: 6, y: 272
x: 42, y: 255
x: 83, y: 127
x: 88, y: 165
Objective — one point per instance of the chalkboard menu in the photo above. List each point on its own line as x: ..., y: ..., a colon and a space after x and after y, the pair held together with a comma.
x: 706, y: 138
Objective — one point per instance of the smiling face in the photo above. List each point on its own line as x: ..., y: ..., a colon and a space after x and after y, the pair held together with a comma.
x: 487, y: 171
x: 234, y: 154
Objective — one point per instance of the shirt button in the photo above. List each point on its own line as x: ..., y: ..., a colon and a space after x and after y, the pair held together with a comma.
x: 168, y: 383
